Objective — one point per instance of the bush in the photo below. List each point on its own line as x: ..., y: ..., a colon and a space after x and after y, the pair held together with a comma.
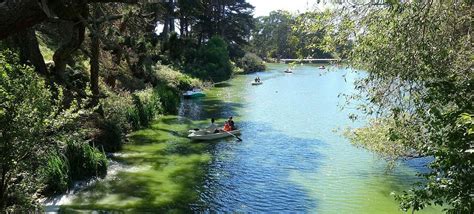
x: 120, y: 116
x: 108, y: 136
x: 120, y: 109
x: 174, y: 79
x: 251, y: 63
x: 84, y: 160
x: 147, y: 103
x: 169, y: 99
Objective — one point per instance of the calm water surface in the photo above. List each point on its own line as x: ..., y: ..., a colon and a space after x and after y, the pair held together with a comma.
x: 292, y: 158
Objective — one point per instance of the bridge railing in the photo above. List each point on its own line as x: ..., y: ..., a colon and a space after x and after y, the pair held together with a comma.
x: 308, y: 60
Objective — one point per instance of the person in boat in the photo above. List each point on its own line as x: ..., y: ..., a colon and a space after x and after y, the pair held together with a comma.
x: 231, y: 123
x: 212, y: 127
x: 258, y: 79
x: 227, y: 127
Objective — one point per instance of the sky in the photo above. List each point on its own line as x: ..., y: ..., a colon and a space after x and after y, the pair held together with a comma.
x: 263, y: 7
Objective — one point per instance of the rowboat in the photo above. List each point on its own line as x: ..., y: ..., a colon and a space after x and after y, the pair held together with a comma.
x: 289, y: 71
x: 257, y: 83
x: 194, y: 93
x: 207, y: 135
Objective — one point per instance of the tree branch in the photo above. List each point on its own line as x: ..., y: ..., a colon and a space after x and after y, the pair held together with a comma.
x: 17, y: 15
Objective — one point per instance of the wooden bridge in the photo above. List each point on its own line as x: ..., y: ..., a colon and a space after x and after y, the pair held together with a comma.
x: 286, y: 61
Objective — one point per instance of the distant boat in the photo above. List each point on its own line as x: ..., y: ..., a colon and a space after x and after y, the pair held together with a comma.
x: 194, y: 93
x: 289, y: 71
x: 206, y: 135
x: 256, y: 83
x: 322, y: 67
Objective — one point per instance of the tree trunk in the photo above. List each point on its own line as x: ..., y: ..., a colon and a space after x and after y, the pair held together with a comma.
x: 94, y: 60
x: 181, y: 27
x: 3, y: 188
x: 171, y: 15
x: 63, y: 53
x: 29, y: 50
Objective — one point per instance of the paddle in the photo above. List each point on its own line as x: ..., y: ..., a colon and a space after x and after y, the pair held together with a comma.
x: 238, y: 138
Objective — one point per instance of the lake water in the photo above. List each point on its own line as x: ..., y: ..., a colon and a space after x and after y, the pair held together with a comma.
x: 292, y: 157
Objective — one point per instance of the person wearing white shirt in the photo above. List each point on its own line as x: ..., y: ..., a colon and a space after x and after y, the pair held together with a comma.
x: 212, y: 127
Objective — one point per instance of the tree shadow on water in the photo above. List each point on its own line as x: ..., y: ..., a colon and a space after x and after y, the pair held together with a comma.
x: 215, y: 106
x: 222, y: 85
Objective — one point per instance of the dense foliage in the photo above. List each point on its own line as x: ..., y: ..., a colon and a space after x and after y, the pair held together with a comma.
x: 25, y: 109
x: 212, y: 60
x: 251, y: 63
x: 33, y: 132
x: 284, y: 35
x: 418, y: 58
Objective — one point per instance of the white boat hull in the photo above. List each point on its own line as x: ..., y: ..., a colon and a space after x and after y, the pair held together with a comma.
x: 206, y: 135
x: 194, y: 93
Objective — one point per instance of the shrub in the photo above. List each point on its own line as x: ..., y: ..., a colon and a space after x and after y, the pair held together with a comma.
x: 172, y: 78
x: 147, y: 103
x: 251, y: 63
x: 119, y: 108
x: 169, y: 99
x: 108, y: 135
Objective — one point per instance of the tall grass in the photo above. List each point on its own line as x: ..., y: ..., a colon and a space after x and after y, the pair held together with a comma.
x: 79, y: 161
x: 55, y: 174
x: 84, y: 160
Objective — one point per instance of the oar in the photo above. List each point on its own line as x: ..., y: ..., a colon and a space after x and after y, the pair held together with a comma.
x: 238, y: 138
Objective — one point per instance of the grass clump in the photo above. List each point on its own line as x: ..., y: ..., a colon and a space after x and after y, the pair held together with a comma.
x: 55, y: 174
x: 85, y: 161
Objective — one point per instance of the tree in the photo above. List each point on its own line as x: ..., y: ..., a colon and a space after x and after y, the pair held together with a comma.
x: 272, y: 35
x: 231, y: 20
x: 309, y: 31
x: 212, y: 61
x: 283, y: 35
x: 418, y: 62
